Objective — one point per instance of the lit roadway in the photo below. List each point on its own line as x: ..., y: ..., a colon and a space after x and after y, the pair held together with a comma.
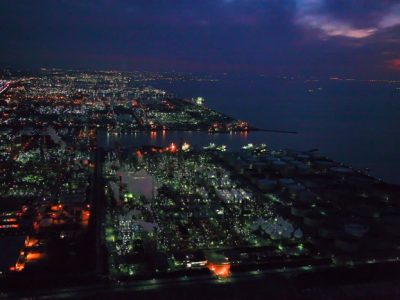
x: 265, y: 279
x: 137, y: 286
x: 4, y: 88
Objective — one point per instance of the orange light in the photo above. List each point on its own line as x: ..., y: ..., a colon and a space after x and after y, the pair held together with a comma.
x: 9, y: 226
x: 18, y: 267
x: 172, y: 148
x: 30, y: 242
x: 10, y: 220
x: 85, y: 217
x: 56, y: 207
x: 85, y: 214
x: 222, y: 271
x: 32, y: 256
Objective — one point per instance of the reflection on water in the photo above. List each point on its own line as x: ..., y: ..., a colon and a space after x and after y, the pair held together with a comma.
x: 235, y: 140
x: 153, y: 137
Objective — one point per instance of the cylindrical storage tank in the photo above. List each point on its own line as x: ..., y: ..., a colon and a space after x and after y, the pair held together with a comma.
x: 314, y: 218
x: 377, y: 244
x: 347, y: 245
x: 299, y: 211
x: 329, y: 233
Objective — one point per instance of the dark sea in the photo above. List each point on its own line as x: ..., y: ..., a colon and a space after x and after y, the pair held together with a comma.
x: 355, y: 122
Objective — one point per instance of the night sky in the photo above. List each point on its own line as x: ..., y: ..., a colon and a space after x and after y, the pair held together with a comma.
x: 356, y: 38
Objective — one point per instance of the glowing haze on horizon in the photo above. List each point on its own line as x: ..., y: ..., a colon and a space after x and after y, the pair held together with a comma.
x: 273, y: 37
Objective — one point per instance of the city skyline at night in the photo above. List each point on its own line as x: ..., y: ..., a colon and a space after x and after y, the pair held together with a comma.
x: 200, y: 149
